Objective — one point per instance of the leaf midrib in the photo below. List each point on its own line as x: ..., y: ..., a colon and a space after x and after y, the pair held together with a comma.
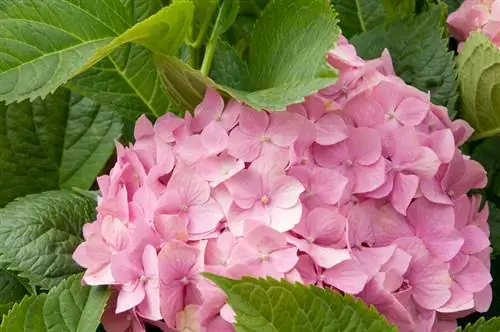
x: 360, y: 16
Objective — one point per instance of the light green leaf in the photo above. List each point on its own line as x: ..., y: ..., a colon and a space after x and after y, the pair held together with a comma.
x: 60, y: 142
x: 204, y: 11
x: 228, y: 68
x: 11, y: 289
x: 163, y: 32
x: 127, y: 81
x: 482, y: 325
x: 39, y: 233
x: 287, y: 35
x: 479, y: 74
x: 71, y: 307
x: 43, y: 46
x: 419, y: 52
x: 268, y: 305
x: 227, y: 15
x: 26, y: 316
x: 357, y: 16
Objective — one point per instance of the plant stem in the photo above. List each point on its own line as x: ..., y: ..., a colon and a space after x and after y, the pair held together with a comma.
x: 208, y: 57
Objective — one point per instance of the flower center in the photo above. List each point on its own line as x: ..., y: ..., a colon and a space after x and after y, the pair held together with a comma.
x: 184, y: 280
x: 451, y: 193
x: 264, y: 257
x: 184, y: 208
x: 265, y: 139
x: 264, y: 200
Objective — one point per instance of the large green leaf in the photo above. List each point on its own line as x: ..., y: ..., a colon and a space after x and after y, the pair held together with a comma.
x: 268, y: 305
x: 453, y: 4
x: 287, y: 35
x: 46, y: 48
x: 482, y: 325
x: 25, y: 316
x: 127, y: 81
x: 357, y: 16
x: 486, y: 153
x: 69, y: 307
x: 228, y: 68
x: 419, y: 52
x: 39, y: 233
x: 60, y: 142
x: 479, y: 74
x: 11, y: 291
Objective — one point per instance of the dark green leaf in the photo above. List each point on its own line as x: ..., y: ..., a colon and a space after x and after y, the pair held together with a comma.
x: 479, y: 74
x: 486, y: 153
x: 60, y: 142
x: 39, y: 233
x: 11, y: 289
x: 228, y: 68
x: 268, y: 305
x: 71, y: 307
x: 399, y: 9
x: 419, y: 52
x: 226, y: 17
x: 494, y: 222
x: 453, y: 4
x: 357, y: 16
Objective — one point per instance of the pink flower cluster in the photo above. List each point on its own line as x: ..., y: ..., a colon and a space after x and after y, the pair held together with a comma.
x: 360, y: 189
x: 482, y: 15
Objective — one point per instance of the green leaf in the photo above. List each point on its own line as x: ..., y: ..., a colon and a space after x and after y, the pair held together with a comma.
x: 263, y: 305
x: 127, y: 81
x: 494, y: 222
x: 39, y: 233
x: 453, y: 5
x: 25, y: 316
x: 287, y: 35
x: 398, y: 9
x: 419, y: 52
x: 43, y: 46
x: 228, y: 68
x: 60, y: 142
x: 163, y: 32
x: 357, y: 16
x: 226, y: 17
x: 479, y: 75
x: 204, y: 11
x: 71, y: 307
x: 482, y: 325
x: 11, y: 289
x: 486, y: 153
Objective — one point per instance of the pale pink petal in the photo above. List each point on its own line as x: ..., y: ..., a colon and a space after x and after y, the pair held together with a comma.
x: 432, y: 190
x: 389, y: 226
x: 228, y: 314
x: 369, y: 178
x: 483, y: 299
x: 214, y: 138
x: 285, y: 191
x: 325, y: 226
x: 348, y: 276
x: 411, y: 111
x: 204, y: 218
x: 176, y: 260
x: 245, y: 188
x: 331, y: 129
x: 143, y: 127
x: 426, y: 165
x: 442, y: 143
x: 244, y: 146
x: 474, y: 277
x: 253, y: 123
x: 171, y: 227
x: 366, y: 145
x: 130, y: 296
x: 475, y: 239
x: 430, y: 283
x: 372, y: 259
x: 190, y: 187
x: 211, y: 105
x: 284, y: 260
x: 284, y: 220
x: 328, y: 185
x: 166, y: 125
x: 284, y: 128
x: 150, y: 307
x: 172, y: 301
x: 218, y: 169
x: 327, y: 257
x: 231, y: 114
x: 405, y: 187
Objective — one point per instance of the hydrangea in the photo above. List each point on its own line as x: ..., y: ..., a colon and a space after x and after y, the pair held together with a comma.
x: 360, y: 189
x: 472, y: 15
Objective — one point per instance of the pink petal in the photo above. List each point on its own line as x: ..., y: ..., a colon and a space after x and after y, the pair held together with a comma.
x: 426, y: 165
x: 285, y: 191
x: 204, y: 218
x: 284, y: 220
x: 176, y: 260
x: 245, y: 187
x: 483, y: 299
x: 284, y: 128
x: 325, y: 226
x: 369, y: 178
x: 166, y: 125
x: 243, y: 146
x: 284, y: 260
x: 172, y: 301
x: 372, y: 259
x: 211, y: 105
x: 331, y: 129
x: 231, y: 114
x: 264, y: 238
x: 143, y: 127
x: 364, y: 110
x: 190, y: 187
x: 214, y: 138
x: 253, y: 123
x: 430, y: 283
x: 126, y: 267
x: 171, y: 227
x: 474, y: 178
x: 389, y: 226
x: 442, y: 143
x: 150, y: 307
x: 218, y: 169
x: 348, y: 276
x: 475, y: 239
x: 431, y: 189
x: 411, y: 111
x: 474, y: 277
x: 130, y: 296
x: 327, y: 257
x: 405, y: 187
x: 366, y: 145
x: 328, y: 185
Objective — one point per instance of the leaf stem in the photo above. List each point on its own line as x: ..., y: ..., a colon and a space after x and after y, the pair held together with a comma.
x: 208, y: 57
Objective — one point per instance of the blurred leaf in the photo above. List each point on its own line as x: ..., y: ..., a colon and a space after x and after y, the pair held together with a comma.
x: 357, y: 16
